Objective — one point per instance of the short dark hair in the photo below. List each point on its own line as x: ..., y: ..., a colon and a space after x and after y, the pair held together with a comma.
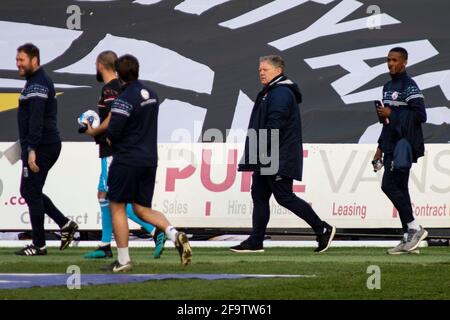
x: 31, y: 51
x: 400, y: 50
x: 127, y: 67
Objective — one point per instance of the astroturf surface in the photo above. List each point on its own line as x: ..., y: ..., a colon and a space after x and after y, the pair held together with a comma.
x: 341, y: 273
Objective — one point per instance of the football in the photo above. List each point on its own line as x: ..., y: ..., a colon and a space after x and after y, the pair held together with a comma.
x: 88, y: 116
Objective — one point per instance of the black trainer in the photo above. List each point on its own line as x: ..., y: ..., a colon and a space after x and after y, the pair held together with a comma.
x: 67, y: 234
x: 245, y: 246
x: 117, y: 267
x: 100, y: 252
x: 325, y: 239
x: 31, y: 250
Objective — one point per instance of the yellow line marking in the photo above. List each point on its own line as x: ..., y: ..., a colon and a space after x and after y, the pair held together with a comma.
x: 9, y: 101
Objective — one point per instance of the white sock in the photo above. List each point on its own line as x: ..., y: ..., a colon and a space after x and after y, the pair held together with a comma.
x: 413, y: 225
x: 123, y: 255
x: 405, y: 236
x: 44, y: 247
x: 104, y: 244
x: 171, y: 233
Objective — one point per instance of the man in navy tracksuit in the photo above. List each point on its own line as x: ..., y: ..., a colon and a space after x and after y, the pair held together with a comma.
x: 277, y: 116
x: 132, y: 133
x: 106, y: 73
x: 41, y: 145
x: 403, y: 114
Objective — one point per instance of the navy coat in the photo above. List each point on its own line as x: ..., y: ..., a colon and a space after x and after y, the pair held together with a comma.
x: 276, y: 107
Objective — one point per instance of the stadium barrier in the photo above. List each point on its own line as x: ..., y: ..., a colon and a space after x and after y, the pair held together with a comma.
x: 198, y: 186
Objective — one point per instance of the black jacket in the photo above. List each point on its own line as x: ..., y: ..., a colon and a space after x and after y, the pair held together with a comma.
x: 37, y: 113
x: 134, y: 125
x: 276, y: 107
x: 408, y: 113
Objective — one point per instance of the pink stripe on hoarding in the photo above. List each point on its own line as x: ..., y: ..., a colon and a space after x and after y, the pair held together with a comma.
x: 208, y: 208
x: 299, y: 188
x: 394, y: 213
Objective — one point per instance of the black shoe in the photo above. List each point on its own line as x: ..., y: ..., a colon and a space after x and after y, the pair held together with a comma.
x: 67, y: 234
x: 31, y: 250
x: 100, y: 252
x: 247, y: 247
x: 325, y: 239
x: 117, y: 267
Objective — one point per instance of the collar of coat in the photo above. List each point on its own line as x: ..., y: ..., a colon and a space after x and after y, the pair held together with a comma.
x: 281, y: 79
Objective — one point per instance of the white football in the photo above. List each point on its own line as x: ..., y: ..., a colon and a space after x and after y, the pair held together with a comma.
x: 89, y: 116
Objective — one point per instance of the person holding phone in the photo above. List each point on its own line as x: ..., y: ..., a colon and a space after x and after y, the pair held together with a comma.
x: 402, y: 113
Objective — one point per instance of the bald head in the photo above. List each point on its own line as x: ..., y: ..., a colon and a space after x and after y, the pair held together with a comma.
x: 105, y: 65
x: 107, y: 59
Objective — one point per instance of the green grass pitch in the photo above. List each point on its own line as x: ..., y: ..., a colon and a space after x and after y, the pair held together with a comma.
x: 341, y: 274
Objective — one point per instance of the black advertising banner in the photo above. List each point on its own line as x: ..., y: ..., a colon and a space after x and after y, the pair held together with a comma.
x: 202, y: 59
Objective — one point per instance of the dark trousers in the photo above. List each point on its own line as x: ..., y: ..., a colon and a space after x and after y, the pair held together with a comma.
x: 395, y: 186
x: 31, y: 185
x: 281, y: 187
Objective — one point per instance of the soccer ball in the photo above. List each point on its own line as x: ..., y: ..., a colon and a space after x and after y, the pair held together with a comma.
x: 88, y: 116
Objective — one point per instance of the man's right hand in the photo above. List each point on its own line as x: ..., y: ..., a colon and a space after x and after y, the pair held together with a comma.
x: 384, y: 112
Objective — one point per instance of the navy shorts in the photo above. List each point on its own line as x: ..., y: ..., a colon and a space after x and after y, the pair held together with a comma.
x: 128, y: 184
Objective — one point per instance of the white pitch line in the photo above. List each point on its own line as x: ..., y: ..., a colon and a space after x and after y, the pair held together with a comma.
x: 220, y: 244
